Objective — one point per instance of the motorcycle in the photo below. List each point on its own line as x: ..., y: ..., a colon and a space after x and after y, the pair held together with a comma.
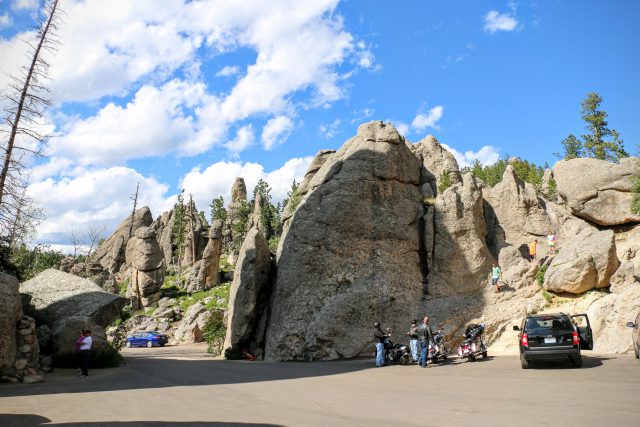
x: 474, y: 344
x: 399, y: 354
x: 437, y: 348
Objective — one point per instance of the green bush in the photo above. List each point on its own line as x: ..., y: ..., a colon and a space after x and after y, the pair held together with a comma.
x: 273, y: 244
x: 123, y: 286
x: 219, y: 298
x: 552, y: 188
x: 105, y: 358
x: 540, y: 275
x: 445, y: 182
x: 214, y: 331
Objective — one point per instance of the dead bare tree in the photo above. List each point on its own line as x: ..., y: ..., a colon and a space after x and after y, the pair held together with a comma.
x: 133, y: 211
x: 94, y: 235
x: 28, y: 99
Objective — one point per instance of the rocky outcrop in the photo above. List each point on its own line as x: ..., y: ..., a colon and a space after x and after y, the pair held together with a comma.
x: 192, y: 325
x: 195, y: 235
x: 583, y: 264
x: 111, y: 254
x: 628, y: 251
x: 436, y: 161
x: 163, y: 227
x: 238, y: 203
x: 10, y: 313
x: 461, y: 259
x: 351, y: 253
x: 513, y: 212
x: 248, y: 295
x: 597, y: 190
x: 53, y: 295
x: 146, y: 264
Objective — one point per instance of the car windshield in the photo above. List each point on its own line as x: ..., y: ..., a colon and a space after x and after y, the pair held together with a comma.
x: 548, y: 322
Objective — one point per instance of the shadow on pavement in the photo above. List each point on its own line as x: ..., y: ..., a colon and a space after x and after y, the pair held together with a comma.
x: 145, y: 373
x: 587, y: 363
x: 28, y: 420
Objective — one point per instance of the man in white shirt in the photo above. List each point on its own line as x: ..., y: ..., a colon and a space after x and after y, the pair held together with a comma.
x: 85, y: 347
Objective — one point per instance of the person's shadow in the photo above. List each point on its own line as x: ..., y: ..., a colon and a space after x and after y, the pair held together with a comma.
x: 29, y: 420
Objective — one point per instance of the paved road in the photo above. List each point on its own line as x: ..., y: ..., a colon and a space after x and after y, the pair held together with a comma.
x: 182, y: 386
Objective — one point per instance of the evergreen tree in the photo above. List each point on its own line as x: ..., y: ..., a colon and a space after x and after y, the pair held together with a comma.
x: 445, y: 182
x: 572, y: 148
x: 178, y: 229
x: 218, y: 211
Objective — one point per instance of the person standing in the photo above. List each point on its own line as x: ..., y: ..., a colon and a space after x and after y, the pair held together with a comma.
x: 533, y: 248
x: 426, y: 336
x: 551, y: 241
x: 379, y: 337
x: 85, y: 348
x: 413, y: 340
x: 496, y: 273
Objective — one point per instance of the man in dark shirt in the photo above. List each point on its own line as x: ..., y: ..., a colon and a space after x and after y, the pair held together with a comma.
x: 379, y: 339
x: 426, y: 335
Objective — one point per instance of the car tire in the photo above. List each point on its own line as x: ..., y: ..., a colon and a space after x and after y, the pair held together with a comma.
x: 636, y: 351
x: 162, y: 345
x: 577, y: 361
x: 524, y: 363
x: 128, y: 344
x: 149, y: 344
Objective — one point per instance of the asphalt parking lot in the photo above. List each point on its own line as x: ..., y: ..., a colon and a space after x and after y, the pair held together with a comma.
x: 183, y: 386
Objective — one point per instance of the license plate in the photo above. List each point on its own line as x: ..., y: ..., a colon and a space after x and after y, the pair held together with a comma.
x: 550, y: 340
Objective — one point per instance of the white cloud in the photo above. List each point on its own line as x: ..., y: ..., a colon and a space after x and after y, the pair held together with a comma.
x: 25, y: 4
x: 5, y: 20
x: 487, y: 155
x: 217, y: 179
x: 494, y: 21
x: 429, y: 120
x: 276, y: 131
x: 244, y: 139
x: 402, y: 128
x: 228, y: 71
x: 156, y: 121
x: 93, y: 197
x: 330, y: 130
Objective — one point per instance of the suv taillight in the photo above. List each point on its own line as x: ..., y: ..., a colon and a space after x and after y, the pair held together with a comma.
x: 525, y: 339
x: 576, y: 338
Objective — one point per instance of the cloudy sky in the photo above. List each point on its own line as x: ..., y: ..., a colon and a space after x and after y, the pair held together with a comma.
x: 189, y: 94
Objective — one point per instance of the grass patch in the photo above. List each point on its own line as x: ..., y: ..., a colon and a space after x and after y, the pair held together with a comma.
x: 218, y: 298
x: 123, y: 286
x: 273, y: 243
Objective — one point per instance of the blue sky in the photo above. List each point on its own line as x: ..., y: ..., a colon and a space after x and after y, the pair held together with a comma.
x: 178, y: 94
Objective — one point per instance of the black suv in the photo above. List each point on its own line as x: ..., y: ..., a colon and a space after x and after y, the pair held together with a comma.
x: 554, y: 337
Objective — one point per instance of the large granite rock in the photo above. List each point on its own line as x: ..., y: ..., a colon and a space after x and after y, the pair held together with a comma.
x: 351, y: 254
x: 111, y: 253
x: 66, y: 331
x: 195, y: 235
x: 192, y: 325
x: 597, y: 190
x: 249, y: 294
x: 513, y: 212
x: 583, y: 264
x: 461, y: 259
x: 53, y: 295
x: 436, y: 161
x: 10, y: 313
x: 146, y: 264
x: 163, y: 227
x: 238, y: 202
x: 628, y: 250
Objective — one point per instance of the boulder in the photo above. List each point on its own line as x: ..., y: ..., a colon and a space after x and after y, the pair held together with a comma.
x: 146, y: 264
x: 238, y: 200
x: 351, y: 255
x: 583, y: 264
x: 195, y: 238
x: 111, y: 254
x: 10, y: 313
x: 53, y: 295
x: 436, y: 161
x: 192, y: 325
x: 249, y: 292
x: 461, y: 260
x: 67, y: 330
x: 45, y: 338
x: 597, y: 190
x: 628, y: 251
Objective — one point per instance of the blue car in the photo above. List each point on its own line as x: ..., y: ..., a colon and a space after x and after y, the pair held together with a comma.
x: 146, y: 339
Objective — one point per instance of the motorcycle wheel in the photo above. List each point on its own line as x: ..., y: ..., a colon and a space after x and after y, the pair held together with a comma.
x: 402, y: 360
x: 472, y: 357
x: 444, y: 356
x: 485, y: 354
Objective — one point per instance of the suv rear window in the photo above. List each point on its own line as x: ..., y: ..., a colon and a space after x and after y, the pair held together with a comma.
x: 548, y: 322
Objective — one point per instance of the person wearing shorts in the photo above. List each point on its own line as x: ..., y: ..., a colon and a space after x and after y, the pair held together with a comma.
x: 495, y: 276
x: 533, y: 246
x: 551, y: 241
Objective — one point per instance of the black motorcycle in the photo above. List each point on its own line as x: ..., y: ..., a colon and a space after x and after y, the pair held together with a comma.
x: 473, y: 344
x: 437, y: 348
x: 398, y: 354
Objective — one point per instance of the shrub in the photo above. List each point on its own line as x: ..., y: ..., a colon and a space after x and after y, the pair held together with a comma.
x: 103, y: 358
x: 445, y: 182
x: 214, y: 331
x: 552, y: 188
x: 540, y: 275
